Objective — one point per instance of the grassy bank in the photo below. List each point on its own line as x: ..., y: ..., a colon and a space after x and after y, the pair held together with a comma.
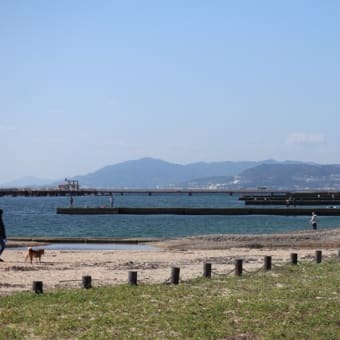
x: 291, y: 302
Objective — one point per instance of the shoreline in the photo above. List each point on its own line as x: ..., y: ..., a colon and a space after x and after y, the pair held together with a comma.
x: 326, y: 237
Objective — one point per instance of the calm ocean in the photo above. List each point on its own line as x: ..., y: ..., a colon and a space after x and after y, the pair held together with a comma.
x: 37, y: 217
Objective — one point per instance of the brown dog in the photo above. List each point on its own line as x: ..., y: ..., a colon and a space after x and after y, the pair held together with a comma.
x: 37, y: 253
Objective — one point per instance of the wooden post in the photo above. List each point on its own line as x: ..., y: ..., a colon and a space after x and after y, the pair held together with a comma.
x: 293, y: 258
x: 87, y: 282
x: 207, y: 270
x: 174, y: 275
x: 339, y: 253
x: 37, y: 287
x: 318, y: 256
x: 267, y: 263
x: 238, y: 267
x: 133, y: 278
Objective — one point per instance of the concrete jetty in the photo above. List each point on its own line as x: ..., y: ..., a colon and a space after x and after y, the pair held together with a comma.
x: 295, y: 198
x: 200, y: 211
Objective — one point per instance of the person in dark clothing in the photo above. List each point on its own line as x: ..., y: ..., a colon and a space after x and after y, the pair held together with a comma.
x: 3, y: 238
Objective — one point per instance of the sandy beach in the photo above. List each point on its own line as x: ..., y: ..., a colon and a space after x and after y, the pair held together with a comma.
x: 65, y: 268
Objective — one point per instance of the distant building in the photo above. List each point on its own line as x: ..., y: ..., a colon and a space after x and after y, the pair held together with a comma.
x: 70, y: 184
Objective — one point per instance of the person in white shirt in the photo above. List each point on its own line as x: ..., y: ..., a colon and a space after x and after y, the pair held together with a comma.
x: 314, y: 221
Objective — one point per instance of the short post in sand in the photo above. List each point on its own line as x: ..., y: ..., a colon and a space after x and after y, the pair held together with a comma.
x: 267, y: 263
x: 294, y: 258
x: 318, y: 256
x: 132, y: 278
x: 238, y: 267
x: 174, y: 275
x: 37, y: 287
x: 87, y: 281
x: 207, y: 270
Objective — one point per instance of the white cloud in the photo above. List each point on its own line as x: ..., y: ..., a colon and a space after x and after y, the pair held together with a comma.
x: 301, y: 138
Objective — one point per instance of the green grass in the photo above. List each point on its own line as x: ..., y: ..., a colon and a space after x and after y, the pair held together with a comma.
x: 290, y: 302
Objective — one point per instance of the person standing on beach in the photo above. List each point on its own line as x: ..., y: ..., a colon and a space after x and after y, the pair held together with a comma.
x: 314, y: 220
x: 3, y: 238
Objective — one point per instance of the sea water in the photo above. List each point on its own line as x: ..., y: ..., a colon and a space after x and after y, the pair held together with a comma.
x: 37, y: 217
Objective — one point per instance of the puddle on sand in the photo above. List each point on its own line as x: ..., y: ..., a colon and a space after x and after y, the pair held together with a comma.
x: 92, y: 246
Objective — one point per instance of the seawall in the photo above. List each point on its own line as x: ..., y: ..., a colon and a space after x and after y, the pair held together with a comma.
x: 293, y: 211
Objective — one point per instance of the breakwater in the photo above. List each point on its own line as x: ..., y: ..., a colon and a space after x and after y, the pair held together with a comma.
x: 295, y: 198
x: 269, y: 201
x: 200, y: 211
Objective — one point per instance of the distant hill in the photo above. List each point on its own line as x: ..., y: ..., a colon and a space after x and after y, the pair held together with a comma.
x: 294, y: 176
x: 151, y: 173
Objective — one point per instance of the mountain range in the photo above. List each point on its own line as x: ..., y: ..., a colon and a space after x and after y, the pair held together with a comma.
x: 151, y: 173
x: 156, y: 173
x: 294, y: 176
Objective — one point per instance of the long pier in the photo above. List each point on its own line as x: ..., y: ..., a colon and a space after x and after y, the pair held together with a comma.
x: 200, y: 211
x: 56, y: 192
x: 252, y: 192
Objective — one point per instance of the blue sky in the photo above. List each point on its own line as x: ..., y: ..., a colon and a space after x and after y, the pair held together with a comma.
x: 84, y: 84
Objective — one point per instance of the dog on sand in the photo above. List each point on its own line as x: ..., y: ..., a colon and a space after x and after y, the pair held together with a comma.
x: 34, y: 253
